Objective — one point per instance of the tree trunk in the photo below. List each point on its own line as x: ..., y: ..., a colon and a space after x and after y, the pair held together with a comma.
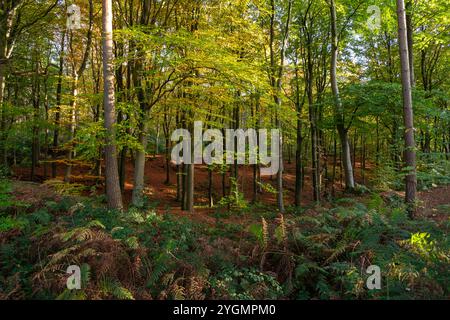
x: 408, y: 117
x: 2, y: 108
x: 190, y: 188
x: 58, y: 107
x: 113, y: 194
x: 210, y: 188
x: 333, y: 179
x: 46, y: 146
x: 4, y: 31
x: 189, y: 177
x: 410, y: 32
x: 158, y: 131
x: 298, y: 165
x: 73, y: 120
x: 123, y: 168
x: 139, y: 167
x: 313, y: 127
x: 346, y: 159
x: 167, y: 156
x: 35, y: 139
x: 277, y: 70
x: 256, y: 168
x: 339, y: 113
x: 2, y: 81
x: 363, y: 157
x: 180, y: 183
x: 236, y: 125
x: 298, y: 152
x: 314, y: 154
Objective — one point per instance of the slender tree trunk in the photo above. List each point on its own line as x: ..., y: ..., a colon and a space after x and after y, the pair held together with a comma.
x: 277, y: 71
x: 58, y: 107
x: 77, y: 73
x: 2, y: 81
x: 346, y: 159
x: 139, y: 167
x: 3, y: 136
x: 158, y: 131
x: 224, y: 169
x: 2, y: 77
x: 123, y: 167
x: 363, y: 161
x: 179, y: 167
x: 377, y: 156
x: 4, y: 31
x: 167, y: 156
x: 255, y: 183
x: 113, y: 193
x: 298, y: 165
x: 46, y: 146
x: 298, y: 152
x: 339, y: 113
x: 73, y: 120
x: 121, y: 116
x: 334, y: 165
x: 180, y: 183
x: 354, y: 147
x: 210, y: 188
x: 256, y: 167
x: 314, y: 150
x: 183, y: 186
x: 35, y: 140
x: 236, y: 125
x: 410, y: 32
x: 313, y: 127
x: 190, y: 175
x: 190, y: 188
x: 224, y: 184
x: 408, y: 117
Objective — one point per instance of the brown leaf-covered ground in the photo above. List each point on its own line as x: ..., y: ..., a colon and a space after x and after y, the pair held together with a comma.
x: 433, y: 204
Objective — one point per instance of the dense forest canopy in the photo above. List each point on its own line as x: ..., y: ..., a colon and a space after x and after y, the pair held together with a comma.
x: 92, y: 91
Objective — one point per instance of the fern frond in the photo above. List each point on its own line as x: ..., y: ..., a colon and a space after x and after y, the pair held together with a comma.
x: 115, y: 288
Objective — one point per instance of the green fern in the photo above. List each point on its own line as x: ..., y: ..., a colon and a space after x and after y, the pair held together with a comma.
x: 114, y: 287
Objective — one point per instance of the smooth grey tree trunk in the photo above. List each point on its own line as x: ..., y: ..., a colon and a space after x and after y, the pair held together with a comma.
x: 139, y: 167
x: 113, y: 193
x: 408, y: 117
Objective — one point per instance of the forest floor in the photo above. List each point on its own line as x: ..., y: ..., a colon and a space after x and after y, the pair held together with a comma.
x: 160, y: 252
x: 434, y: 204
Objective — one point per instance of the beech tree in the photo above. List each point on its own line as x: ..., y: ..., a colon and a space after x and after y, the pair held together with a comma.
x: 408, y: 117
x: 113, y: 192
